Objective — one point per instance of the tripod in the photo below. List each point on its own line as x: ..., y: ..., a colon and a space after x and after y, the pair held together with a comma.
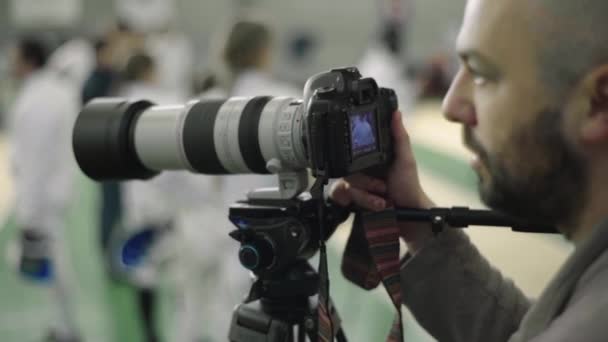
x: 277, y: 236
x: 281, y: 308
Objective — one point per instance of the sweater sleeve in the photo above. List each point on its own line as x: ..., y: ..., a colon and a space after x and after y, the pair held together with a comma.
x: 456, y: 295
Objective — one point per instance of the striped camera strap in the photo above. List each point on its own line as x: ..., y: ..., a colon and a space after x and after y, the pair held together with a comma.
x: 372, y: 256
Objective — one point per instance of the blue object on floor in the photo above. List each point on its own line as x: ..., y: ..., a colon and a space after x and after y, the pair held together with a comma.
x: 37, y: 270
x: 135, y: 249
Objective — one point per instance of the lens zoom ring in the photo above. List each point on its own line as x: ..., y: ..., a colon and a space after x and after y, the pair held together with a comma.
x: 199, y: 145
x: 248, y: 134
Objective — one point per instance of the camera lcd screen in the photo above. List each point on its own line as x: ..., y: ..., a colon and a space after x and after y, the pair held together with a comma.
x: 363, y: 133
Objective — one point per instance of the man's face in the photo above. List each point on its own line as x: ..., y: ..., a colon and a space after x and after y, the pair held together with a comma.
x: 527, y: 166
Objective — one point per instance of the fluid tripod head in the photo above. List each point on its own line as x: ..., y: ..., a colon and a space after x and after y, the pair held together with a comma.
x: 275, y: 234
x: 277, y: 238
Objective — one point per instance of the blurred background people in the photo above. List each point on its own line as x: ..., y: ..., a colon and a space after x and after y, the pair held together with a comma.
x: 146, y: 208
x: 248, y: 56
x: 43, y: 171
x: 174, y: 58
x: 246, y: 64
x: 141, y: 81
x: 74, y: 61
x: 170, y: 48
x: 144, y: 239
x: 386, y: 57
x: 245, y: 67
x: 112, y: 51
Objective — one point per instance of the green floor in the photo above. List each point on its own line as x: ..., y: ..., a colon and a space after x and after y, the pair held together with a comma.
x: 26, y: 309
x: 105, y: 309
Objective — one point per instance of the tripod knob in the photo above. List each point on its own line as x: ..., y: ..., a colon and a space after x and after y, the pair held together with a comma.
x: 256, y: 255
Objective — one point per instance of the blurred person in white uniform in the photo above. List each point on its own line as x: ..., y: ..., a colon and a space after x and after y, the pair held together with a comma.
x: 157, y: 210
x: 139, y: 245
x: 385, y: 58
x: 245, y: 65
x: 174, y: 57
x: 248, y: 55
x: 214, y: 281
x: 171, y: 50
x: 111, y: 53
x: 141, y: 81
x: 43, y: 172
x: 74, y: 61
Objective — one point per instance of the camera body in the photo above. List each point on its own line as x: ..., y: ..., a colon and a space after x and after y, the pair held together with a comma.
x: 348, y: 124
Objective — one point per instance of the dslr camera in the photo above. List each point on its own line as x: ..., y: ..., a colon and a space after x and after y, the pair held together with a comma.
x: 340, y: 127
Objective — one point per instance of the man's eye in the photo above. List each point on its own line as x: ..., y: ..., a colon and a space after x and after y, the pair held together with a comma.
x: 479, y: 80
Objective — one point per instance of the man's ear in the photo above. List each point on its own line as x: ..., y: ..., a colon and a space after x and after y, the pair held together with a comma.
x: 594, y: 128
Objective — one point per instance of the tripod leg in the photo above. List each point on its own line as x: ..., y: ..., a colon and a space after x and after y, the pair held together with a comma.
x: 147, y: 304
x: 301, y: 333
x: 341, y: 337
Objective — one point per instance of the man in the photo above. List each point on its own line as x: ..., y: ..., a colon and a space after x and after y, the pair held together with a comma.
x: 43, y: 171
x: 532, y: 96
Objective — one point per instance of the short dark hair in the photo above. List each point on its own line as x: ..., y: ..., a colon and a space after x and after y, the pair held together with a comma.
x: 33, y: 51
x: 572, y: 40
x: 137, y: 66
x: 123, y: 26
x: 246, y: 39
x: 99, y: 44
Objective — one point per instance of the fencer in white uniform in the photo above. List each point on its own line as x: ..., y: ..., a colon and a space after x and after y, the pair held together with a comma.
x: 43, y: 170
x: 387, y: 69
x: 216, y: 281
x: 147, y: 204
x: 385, y: 58
x: 171, y: 49
x: 188, y: 214
x: 174, y: 57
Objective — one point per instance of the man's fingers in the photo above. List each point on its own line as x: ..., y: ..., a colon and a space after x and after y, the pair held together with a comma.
x: 344, y: 194
x: 366, y: 200
x: 340, y: 194
x: 365, y: 182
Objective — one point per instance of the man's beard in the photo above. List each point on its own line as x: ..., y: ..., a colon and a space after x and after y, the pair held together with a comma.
x: 549, y: 184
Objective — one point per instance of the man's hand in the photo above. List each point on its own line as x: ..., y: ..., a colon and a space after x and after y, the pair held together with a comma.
x: 401, y: 188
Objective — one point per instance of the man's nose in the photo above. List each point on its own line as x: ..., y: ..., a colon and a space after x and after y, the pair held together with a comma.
x: 457, y: 104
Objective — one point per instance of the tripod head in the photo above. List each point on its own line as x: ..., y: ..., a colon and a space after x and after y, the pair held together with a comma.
x: 276, y: 234
x: 277, y: 237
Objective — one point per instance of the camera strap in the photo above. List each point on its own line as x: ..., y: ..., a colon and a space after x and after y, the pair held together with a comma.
x: 327, y: 327
x: 372, y: 256
x: 328, y: 323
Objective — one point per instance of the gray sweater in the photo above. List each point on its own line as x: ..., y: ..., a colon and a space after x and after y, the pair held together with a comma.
x: 456, y: 295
